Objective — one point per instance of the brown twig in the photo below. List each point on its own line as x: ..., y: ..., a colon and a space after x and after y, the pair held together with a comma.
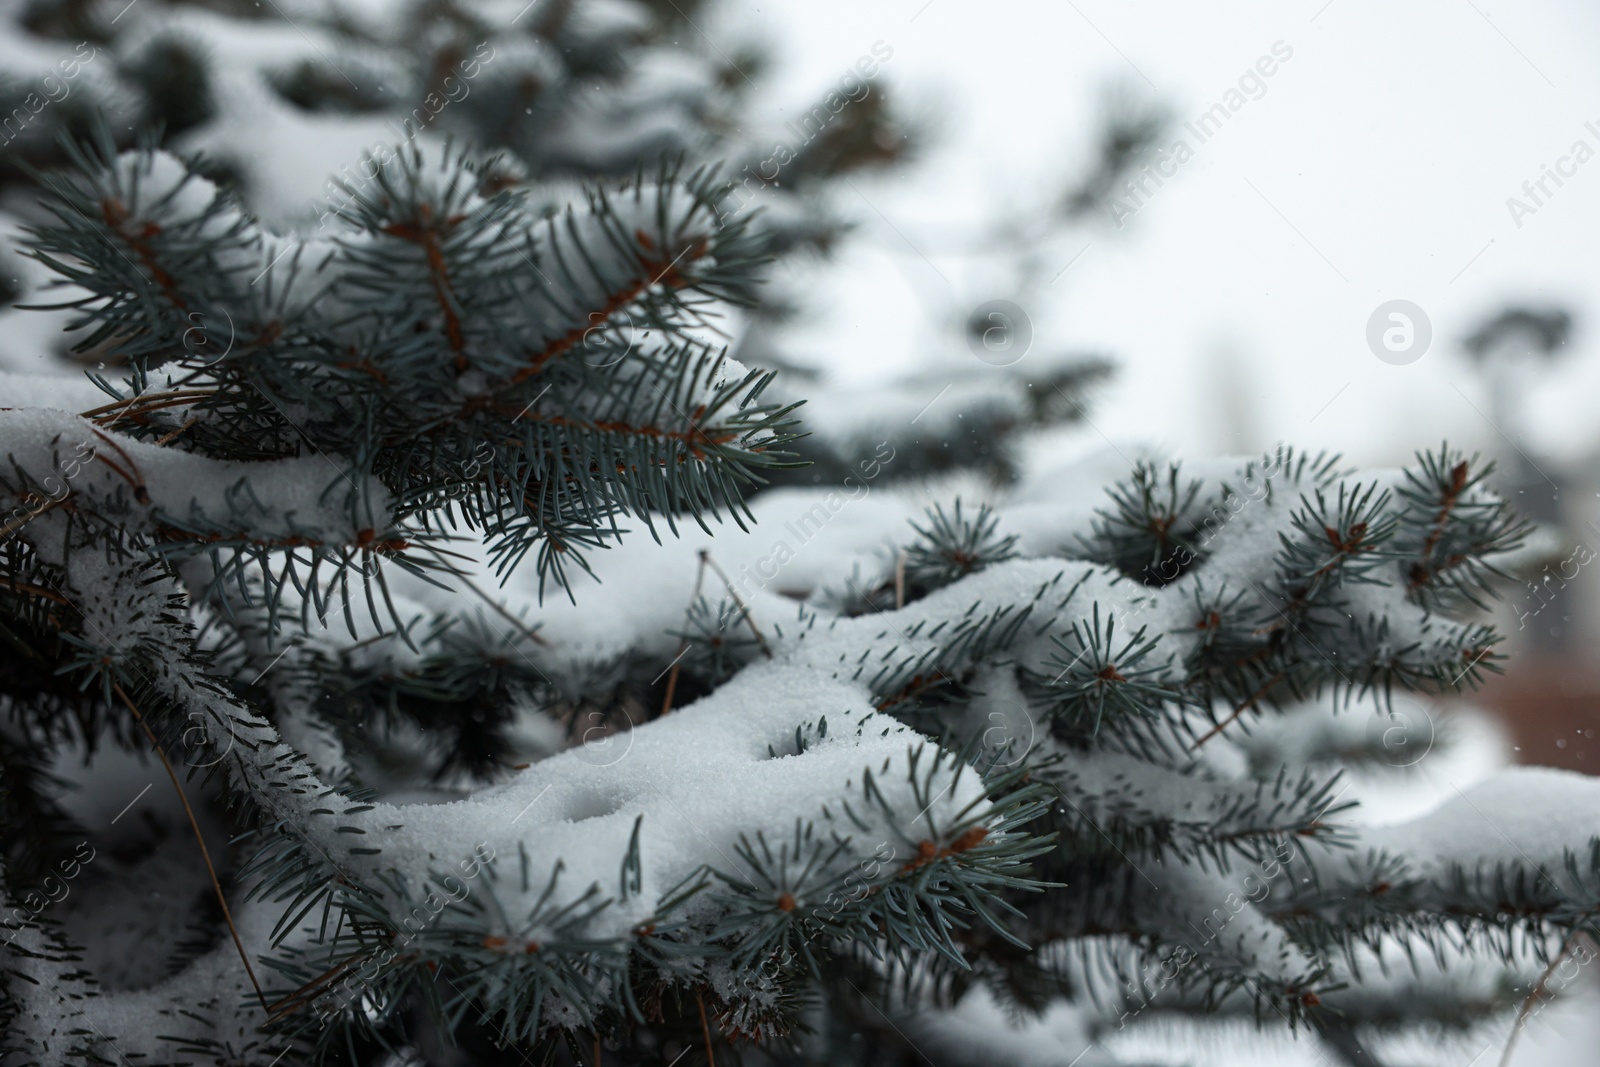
x: 900, y: 580
x: 48, y: 594
x: 1241, y: 709
x: 522, y: 627
x: 124, y: 475
x: 1525, y: 1011
x: 116, y: 213
x: 167, y: 438
x: 426, y: 235
x: 705, y: 1028
x: 683, y: 645
x: 143, y: 410
x: 132, y: 475
x: 918, y: 685
x: 744, y: 608
x: 18, y: 523
x: 669, y: 275
x: 695, y: 436
x: 1421, y: 573
x: 171, y: 395
x: 204, y: 852
x: 295, y: 998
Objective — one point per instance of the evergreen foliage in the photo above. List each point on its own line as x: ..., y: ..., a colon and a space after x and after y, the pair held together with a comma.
x: 404, y: 550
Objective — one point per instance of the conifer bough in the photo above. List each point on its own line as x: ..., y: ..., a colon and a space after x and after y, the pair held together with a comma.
x: 1015, y: 759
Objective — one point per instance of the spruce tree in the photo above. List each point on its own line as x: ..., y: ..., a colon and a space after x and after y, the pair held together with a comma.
x: 402, y: 667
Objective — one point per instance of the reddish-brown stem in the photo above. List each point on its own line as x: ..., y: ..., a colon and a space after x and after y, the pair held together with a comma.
x: 1458, y: 481
x: 683, y: 645
x: 915, y: 687
x: 18, y: 523
x: 695, y: 437
x: 426, y: 235
x: 39, y: 591
x: 705, y: 1028
x: 1241, y: 709
x: 666, y: 274
x: 115, y: 213
x: 167, y: 438
x: 138, y: 413
x: 175, y: 394
x: 744, y: 609
x: 132, y: 475
x: 194, y: 825
x: 1526, y: 1009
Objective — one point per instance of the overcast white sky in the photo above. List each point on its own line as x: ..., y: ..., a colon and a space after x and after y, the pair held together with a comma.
x: 1376, y: 166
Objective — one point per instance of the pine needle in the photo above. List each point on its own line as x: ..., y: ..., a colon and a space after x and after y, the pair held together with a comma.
x: 204, y: 852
